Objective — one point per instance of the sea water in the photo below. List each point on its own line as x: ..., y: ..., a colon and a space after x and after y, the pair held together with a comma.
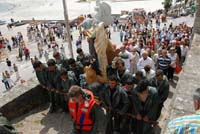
x: 4, y: 7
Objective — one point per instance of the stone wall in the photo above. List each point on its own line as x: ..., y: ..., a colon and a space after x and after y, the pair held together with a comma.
x: 182, y: 103
x: 22, y: 99
x: 197, y: 19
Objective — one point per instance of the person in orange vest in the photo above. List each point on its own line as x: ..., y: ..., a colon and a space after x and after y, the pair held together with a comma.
x: 87, y: 115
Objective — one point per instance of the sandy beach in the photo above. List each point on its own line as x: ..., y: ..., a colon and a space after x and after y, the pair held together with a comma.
x: 53, y: 9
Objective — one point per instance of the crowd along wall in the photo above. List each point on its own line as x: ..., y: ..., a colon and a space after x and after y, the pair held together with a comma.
x: 182, y: 103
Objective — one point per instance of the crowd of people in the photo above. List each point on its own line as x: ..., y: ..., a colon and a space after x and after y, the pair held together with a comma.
x: 43, y: 35
x: 137, y: 82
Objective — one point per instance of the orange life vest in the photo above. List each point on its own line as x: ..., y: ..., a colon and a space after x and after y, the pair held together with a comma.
x: 81, y: 113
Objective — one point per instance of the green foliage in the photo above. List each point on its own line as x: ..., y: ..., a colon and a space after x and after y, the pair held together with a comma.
x: 167, y: 4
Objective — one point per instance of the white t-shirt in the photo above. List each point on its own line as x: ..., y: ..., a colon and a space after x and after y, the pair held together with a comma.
x: 149, y: 75
x: 142, y: 63
x: 184, y: 50
x: 173, y: 59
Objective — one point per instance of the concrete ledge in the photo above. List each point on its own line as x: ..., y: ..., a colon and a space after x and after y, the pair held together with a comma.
x: 182, y: 103
x: 22, y: 99
x: 197, y: 18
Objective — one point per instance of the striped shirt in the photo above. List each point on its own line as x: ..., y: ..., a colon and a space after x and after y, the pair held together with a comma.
x: 185, y: 125
x: 163, y: 63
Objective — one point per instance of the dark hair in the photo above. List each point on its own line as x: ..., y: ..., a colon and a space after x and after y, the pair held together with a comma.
x: 159, y: 72
x: 95, y: 67
x: 56, y: 54
x: 130, y: 80
x: 147, y: 68
x: 71, y: 61
x: 196, y: 95
x: 121, y: 62
x: 63, y: 72
x: 96, y: 88
x: 75, y: 91
x: 79, y: 50
x: 51, y: 62
x: 125, y: 39
x: 87, y: 62
x: 113, y: 78
x: 139, y: 73
x: 37, y: 64
x: 142, y: 86
x: 141, y: 43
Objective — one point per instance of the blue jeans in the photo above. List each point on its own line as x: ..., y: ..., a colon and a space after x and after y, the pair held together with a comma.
x: 6, y: 84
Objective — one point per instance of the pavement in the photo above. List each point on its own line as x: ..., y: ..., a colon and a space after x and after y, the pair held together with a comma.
x: 25, y: 67
x: 39, y: 121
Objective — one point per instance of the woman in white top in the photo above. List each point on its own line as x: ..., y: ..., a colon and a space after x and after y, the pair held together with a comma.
x: 174, y: 61
x: 184, y: 50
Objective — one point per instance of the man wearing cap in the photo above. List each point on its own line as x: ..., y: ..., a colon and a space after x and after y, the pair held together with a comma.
x: 53, y: 84
x: 88, y: 117
x: 187, y: 124
x: 161, y: 83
